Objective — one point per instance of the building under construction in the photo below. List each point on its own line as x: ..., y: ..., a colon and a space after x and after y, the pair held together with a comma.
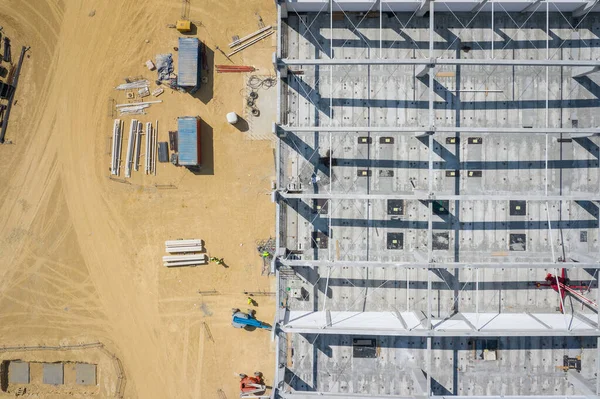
x: 438, y: 191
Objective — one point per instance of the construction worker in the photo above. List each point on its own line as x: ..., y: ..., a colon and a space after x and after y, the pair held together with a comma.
x: 213, y: 259
x: 251, y: 301
x: 265, y: 254
x: 219, y: 261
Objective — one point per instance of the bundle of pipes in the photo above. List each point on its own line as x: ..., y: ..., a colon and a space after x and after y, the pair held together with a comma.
x: 184, y: 260
x: 149, y: 146
x: 138, y: 84
x: 256, y: 37
x: 130, y: 144
x: 133, y: 110
x: 116, y: 148
x: 138, y: 144
x: 183, y: 246
x: 234, y: 68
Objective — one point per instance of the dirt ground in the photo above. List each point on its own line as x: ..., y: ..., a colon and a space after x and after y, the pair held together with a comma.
x: 80, y: 254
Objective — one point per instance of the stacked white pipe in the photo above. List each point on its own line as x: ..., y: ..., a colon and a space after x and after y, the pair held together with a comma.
x: 191, y: 249
x: 116, y: 148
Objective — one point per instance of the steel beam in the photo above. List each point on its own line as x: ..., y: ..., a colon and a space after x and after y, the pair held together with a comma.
x: 283, y: 62
x: 437, y: 129
x: 444, y: 265
x: 441, y: 333
x: 329, y: 395
x: 449, y: 197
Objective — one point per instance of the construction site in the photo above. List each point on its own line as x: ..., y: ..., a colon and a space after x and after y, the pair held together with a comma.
x: 437, y: 199
x: 300, y: 199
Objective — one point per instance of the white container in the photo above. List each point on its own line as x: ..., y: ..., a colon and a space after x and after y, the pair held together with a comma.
x: 232, y: 118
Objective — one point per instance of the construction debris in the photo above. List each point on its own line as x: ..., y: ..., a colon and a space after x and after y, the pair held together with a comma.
x: 116, y: 148
x: 237, y: 41
x: 150, y: 65
x: 138, y: 84
x: 183, y: 246
x: 134, y: 104
x: 184, y: 260
x: 158, y: 91
x: 234, y: 68
x: 164, y: 66
x: 250, y: 43
x: 130, y: 144
x: 144, y: 92
x: 149, y: 147
x: 133, y: 110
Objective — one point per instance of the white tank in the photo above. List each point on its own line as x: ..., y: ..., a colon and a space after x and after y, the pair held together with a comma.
x: 232, y: 118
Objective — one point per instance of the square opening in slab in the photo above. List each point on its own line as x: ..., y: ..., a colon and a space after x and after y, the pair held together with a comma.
x: 319, y: 240
x: 440, y: 207
x: 518, y: 242
x: 365, y: 140
x: 386, y: 140
x: 518, y: 208
x: 386, y: 173
x: 474, y: 173
x: 395, y: 240
x: 364, y: 348
x: 583, y: 236
x: 441, y: 241
x: 452, y: 173
x: 395, y: 207
x: 363, y: 173
x: 475, y: 140
x: 321, y: 205
x: 452, y: 140
x: 486, y: 349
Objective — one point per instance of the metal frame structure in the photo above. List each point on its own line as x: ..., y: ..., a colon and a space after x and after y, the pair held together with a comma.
x: 427, y: 326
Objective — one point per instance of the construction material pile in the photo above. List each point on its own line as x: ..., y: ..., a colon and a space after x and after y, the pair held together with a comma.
x: 191, y: 249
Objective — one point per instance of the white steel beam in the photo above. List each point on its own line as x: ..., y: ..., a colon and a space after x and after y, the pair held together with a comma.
x: 386, y: 324
x: 437, y: 61
x: 492, y: 196
x: 329, y: 395
x: 429, y: 130
x: 444, y: 265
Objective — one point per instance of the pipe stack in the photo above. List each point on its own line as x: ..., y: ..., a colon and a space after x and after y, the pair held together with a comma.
x: 183, y: 246
x: 130, y: 145
x: 184, y: 260
x: 116, y: 148
x: 191, y: 249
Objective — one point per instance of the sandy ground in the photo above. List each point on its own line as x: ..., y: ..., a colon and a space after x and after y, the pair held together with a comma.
x: 80, y: 254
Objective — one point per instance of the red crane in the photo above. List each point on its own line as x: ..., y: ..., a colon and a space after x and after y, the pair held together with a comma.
x: 562, y: 285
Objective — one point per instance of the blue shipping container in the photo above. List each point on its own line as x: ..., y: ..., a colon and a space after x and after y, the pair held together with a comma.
x: 189, y: 56
x: 188, y: 140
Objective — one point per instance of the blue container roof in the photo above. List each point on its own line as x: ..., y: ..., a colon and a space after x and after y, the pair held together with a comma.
x: 189, y: 48
x: 187, y: 128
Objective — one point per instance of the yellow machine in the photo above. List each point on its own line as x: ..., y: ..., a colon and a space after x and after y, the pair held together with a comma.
x: 184, y: 25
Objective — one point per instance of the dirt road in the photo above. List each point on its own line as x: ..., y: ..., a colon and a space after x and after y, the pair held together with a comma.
x: 79, y: 253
